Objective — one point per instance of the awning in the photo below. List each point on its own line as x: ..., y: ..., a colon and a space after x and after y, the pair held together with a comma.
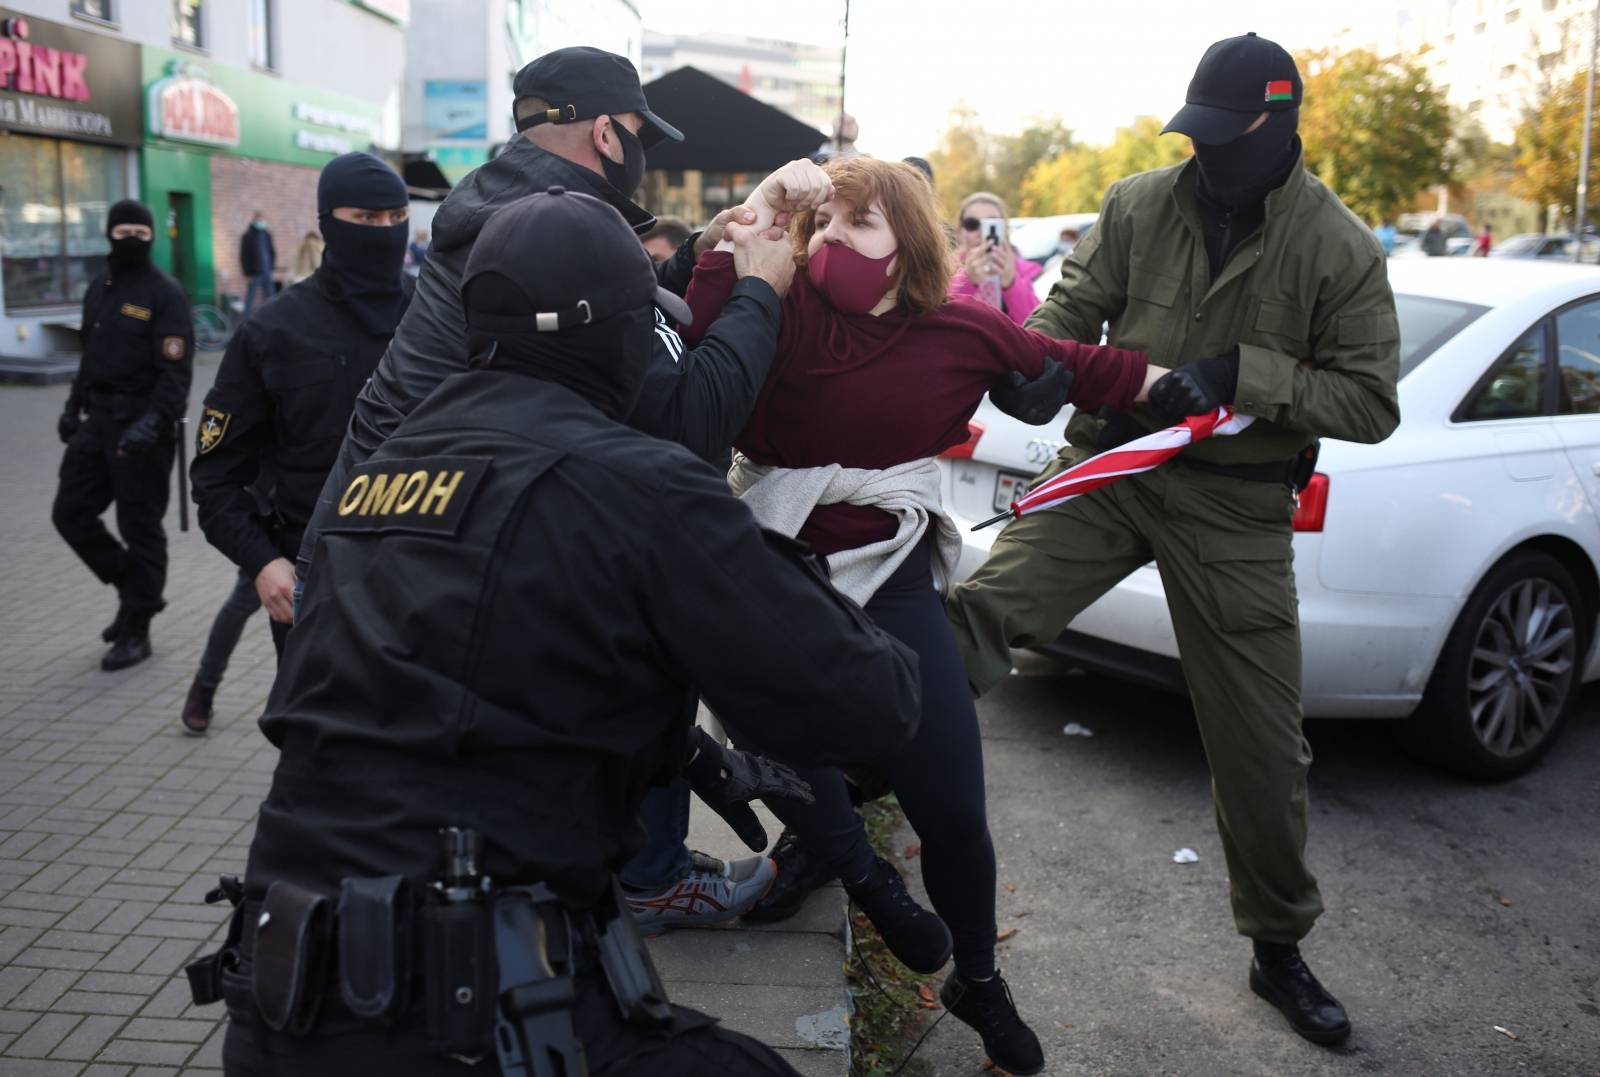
x: 724, y: 129
x: 422, y: 176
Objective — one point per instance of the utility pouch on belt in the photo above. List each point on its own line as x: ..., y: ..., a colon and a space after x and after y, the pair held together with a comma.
x: 205, y: 974
x: 291, y: 956
x: 375, y: 917
x: 634, y: 982
x: 1305, y: 465
x: 458, y: 956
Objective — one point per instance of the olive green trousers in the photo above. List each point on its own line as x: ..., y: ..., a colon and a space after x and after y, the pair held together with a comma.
x: 1223, y: 547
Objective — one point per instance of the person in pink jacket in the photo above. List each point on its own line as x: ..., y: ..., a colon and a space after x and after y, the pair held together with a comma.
x: 977, y: 260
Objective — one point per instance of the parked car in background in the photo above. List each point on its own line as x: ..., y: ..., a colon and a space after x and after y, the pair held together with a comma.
x: 1411, y: 247
x: 1447, y: 576
x: 1555, y: 246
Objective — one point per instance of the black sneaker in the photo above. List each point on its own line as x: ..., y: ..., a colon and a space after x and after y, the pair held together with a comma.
x: 987, y: 1006
x: 799, y: 874
x: 1280, y: 975
x: 196, y: 716
x: 913, y: 934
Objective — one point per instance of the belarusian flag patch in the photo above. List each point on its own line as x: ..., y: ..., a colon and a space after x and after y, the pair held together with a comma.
x: 1280, y: 90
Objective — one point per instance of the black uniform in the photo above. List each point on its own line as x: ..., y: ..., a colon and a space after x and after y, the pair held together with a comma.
x: 699, y: 398
x: 280, y: 405
x: 138, y: 359
x: 510, y: 600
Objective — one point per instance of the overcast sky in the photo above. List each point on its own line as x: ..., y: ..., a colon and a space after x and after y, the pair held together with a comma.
x: 1096, y: 64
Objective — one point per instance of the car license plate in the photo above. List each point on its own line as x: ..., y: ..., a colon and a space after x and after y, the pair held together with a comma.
x: 1008, y: 486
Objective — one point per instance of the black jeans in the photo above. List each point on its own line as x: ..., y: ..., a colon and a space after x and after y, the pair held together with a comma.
x: 93, y: 477
x: 938, y: 777
x: 241, y: 603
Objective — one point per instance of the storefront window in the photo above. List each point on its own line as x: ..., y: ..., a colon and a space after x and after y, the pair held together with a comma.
x: 54, y: 196
x: 95, y: 9
x: 186, y: 24
x: 261, y: 33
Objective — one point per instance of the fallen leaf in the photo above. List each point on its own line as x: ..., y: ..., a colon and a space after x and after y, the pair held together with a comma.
x: 1506, y: 902
x: 1067, y: 1027
x: 926, y: 993
x: 1506, y: 1032
x: 913, y: 849
x: 1009, y: 888
x: 1020, y: 915
x: 1006, y: 934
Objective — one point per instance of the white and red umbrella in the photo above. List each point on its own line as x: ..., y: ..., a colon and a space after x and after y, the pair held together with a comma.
x: 1140, y: 454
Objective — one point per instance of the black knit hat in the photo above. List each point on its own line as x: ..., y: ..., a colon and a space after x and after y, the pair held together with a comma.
x: 128, y: 211
x: 362, y: 181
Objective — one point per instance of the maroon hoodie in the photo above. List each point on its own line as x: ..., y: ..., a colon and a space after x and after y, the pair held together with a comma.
x: 869, y: 391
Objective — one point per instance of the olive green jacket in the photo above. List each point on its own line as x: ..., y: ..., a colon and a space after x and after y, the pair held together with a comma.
x: 1306, y: 299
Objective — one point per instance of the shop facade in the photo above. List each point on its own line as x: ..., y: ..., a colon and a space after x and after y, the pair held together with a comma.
x: 222, y: 143
x: 70, y: 130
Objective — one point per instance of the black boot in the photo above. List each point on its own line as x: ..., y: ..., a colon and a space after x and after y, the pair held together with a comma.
x: 132, y: 646
x: 110, y: 632
x: 913, y: 934
x: 987, y: 1006
x: 196, y: 716
x: 1279, y: 975
x: 799, y: 873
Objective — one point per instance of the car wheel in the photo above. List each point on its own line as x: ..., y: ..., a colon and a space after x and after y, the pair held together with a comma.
x: 1509, y: 673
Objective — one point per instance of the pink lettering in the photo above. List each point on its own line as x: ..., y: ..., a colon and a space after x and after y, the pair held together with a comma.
x: 8, y: 63
x: 74, y: 76
x: 24, y: 67
x: 46, y: 71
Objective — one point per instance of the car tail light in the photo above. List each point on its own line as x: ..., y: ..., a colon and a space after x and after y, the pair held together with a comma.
x: 964, y: 450
x: 1313, y: 507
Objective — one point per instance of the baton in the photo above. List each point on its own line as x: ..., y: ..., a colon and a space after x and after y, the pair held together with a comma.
x: 183, y: 471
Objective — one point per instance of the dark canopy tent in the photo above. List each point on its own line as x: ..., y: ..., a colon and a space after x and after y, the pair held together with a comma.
x: 724, y: 129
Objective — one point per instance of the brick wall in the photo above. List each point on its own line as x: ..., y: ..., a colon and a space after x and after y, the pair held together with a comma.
x: 285, y: 194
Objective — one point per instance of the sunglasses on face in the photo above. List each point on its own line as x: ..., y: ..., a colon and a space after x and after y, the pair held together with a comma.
x: 970, y: 224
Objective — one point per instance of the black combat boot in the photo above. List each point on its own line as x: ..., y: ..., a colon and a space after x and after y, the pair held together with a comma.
x: 799, y: 873
x: 132, y: 646
x: 196, y: 716
x: 110, y: 632
x: 913, y: 934
x: 1279, y: 975
x: 987, y: 1006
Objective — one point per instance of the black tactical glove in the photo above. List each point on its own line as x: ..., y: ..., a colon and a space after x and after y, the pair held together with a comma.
x: 728, y: 780
x: 1035, y: 402
x: 68, y: 424
x: 141, y: 433
x: 1198, y: 387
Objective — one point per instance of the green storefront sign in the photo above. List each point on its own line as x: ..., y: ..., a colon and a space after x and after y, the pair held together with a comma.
x: 194, y: 110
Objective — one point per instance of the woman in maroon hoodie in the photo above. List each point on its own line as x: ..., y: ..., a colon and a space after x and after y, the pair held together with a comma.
x: 879, y: 368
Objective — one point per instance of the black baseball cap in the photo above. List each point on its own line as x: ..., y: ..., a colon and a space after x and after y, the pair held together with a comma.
x: 583, y: 83
x: 1237, y: 80
x: 601, y: 269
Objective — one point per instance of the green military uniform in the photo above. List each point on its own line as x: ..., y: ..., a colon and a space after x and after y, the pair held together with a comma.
x: 1307, y: 302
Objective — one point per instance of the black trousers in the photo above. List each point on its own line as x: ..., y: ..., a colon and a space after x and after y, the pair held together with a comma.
x: 93, y: 477
x: 344, y: 1048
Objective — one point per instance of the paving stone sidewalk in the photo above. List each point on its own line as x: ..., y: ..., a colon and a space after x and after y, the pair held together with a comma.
x: 113, y: 824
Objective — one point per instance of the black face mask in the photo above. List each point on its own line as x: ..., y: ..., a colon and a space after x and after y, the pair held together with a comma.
x: 604, y: 362
x: 625, y: 177
x: 365, y: 262
x: 1244, y: 171
x: 129, y: 253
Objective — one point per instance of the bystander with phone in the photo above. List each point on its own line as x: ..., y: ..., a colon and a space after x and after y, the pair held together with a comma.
x: 987, y: 266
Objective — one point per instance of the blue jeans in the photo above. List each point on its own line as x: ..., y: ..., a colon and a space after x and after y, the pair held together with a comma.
x: 261, y: 282
x: 226, y: 629
x: 665, y: 815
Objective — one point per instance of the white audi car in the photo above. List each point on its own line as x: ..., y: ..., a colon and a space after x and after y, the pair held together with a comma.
x: 1447, y: 575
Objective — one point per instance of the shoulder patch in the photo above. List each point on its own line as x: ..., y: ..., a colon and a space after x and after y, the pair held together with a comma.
x: 429, y: 495
x: 213, y: 424
x: 132, y: 311
x: 172, y: 347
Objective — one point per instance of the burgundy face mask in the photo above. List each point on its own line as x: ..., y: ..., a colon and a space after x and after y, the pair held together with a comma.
x: 851, y: 282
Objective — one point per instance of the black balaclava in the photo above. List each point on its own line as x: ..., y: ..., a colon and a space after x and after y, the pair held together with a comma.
x: 625, y: 176
x: 603, y: 362
x: 362, y: 261
x: 128, y: 254
x: 1242, y: 172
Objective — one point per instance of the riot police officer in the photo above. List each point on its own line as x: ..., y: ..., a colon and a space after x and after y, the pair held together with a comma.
x: 131, y: 387
x: 290, y: 375
x: 509, y: 597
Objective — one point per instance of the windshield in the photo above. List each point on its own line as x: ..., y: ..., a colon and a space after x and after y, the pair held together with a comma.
x: 1426, y: 323
x: 1517, y: 245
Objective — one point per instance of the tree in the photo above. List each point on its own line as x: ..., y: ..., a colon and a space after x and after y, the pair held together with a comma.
x: 1044, y: 139
x: 969, y: 158
x: 1549, y: 145
x: 1076, y: 181
x: 1375, y: 129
